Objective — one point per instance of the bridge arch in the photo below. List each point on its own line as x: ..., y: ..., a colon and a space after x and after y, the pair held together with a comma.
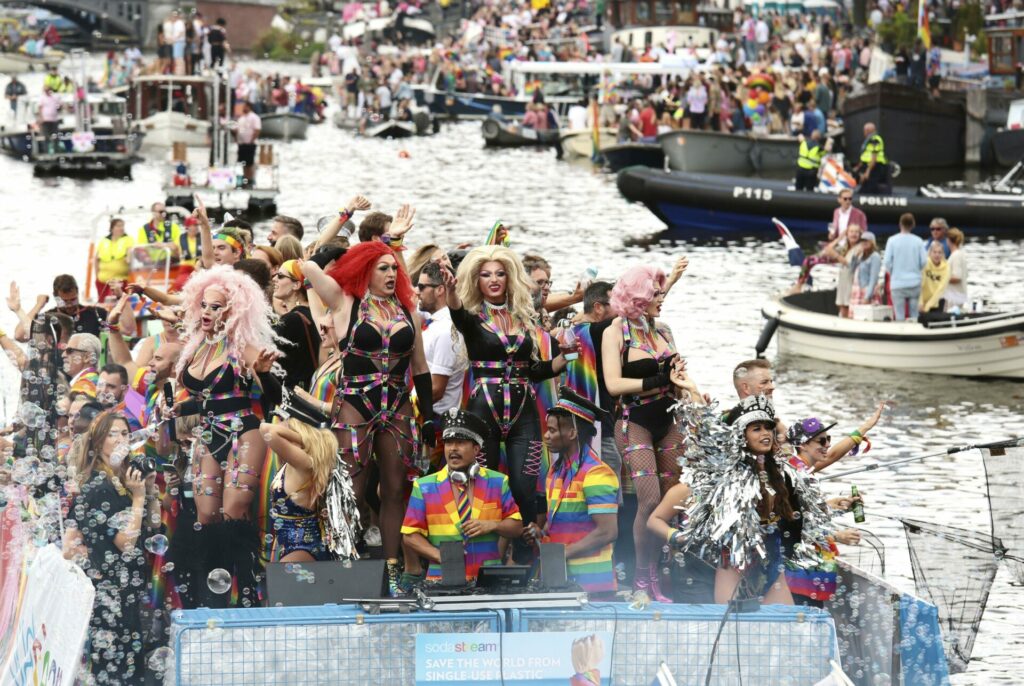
x: 126, y: 17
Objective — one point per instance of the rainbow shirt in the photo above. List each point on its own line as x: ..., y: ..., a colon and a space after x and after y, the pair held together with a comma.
x: 432, y: 512
x: 574, y: 495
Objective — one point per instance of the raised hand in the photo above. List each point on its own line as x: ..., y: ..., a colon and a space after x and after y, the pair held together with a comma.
x: 449, y: 280
x: 200, y: 211
x: 118, y: 309
x: 679, y: 268
x: 265, y: 360
x: 14, y: 298
x: 402, y: 222
x: 357, y: 203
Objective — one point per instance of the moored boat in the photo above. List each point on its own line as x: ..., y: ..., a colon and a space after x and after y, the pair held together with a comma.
x: 1008, y: 146
x: 979, y: 345
x: 499, y: 132
x: 714, y: 152
x: 701, y: 204
x: 173, y: 109
x: 391, y: 128
x: 580, y: 143
x: 622, y: 155
x: 20, y: 62
x: 284, y: 125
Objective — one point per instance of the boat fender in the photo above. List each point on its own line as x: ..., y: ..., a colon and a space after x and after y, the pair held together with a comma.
x: 766, y: 335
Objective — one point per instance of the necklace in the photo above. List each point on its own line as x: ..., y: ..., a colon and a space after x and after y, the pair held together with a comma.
x: 383, y: 310
x: 493, y: 306
x: 211, y: 350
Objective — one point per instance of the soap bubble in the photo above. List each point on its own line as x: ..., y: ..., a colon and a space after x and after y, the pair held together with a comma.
x: 157, y: 544
x: 160, y: 659
x: 219, y: 581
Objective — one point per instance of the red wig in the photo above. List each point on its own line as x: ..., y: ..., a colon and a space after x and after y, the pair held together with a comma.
x: 352, y: 272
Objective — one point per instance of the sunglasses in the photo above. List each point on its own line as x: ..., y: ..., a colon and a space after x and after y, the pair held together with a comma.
x: 845, y: 198
x: 936, y: 228
x: 279, y: 275
x: 75, y: 350
x: 422, y: 286
x: 825, y: 440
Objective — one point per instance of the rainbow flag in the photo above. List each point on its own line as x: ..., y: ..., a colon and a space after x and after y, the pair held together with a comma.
x: 924, y: 31
x: 492, y: 237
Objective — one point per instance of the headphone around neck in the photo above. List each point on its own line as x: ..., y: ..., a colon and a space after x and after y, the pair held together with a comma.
x: 465, y: 477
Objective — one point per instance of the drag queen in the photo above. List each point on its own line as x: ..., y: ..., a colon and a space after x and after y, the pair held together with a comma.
x: 638, y: 355
x: 371, y: 300
x: 491, y: 305
x: 228, y: 337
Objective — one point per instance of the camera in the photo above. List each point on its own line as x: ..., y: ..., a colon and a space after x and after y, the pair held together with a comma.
x: 143, y: 463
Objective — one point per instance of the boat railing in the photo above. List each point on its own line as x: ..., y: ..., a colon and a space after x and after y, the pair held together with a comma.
x: 41, y: 143
x: 957, y: 323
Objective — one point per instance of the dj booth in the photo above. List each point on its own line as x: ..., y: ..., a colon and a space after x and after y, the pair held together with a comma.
x: 361, y: 644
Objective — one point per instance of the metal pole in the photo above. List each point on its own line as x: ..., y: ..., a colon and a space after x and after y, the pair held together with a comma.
x: 1009, y: 443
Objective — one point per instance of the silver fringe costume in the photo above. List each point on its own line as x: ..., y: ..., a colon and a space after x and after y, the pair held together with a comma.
x: 726, y: 490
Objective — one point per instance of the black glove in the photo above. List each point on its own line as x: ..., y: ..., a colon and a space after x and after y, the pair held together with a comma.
x: 662, y: 378
x: 425, y: 399
x: 327, y: 255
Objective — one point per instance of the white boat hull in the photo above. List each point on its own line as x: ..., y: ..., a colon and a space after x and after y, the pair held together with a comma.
x: 18, y: 63
x: 581, y: 143
x: 992, y: 347
x: 163, y: 129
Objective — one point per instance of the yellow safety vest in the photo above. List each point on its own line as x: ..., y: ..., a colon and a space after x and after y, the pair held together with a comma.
x: 113, y: 258
x: 54, y: 82
x: 810, y: 157
x: 873, y: 146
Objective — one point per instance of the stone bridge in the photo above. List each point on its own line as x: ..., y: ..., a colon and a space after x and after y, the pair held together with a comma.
x: 139, y: 20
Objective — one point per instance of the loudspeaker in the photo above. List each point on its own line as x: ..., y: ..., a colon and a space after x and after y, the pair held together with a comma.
x: 453, y: 564
x: 553, y: 570
x: 322, y: 583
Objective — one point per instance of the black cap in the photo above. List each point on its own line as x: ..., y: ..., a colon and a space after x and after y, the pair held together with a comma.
x: 571, y: 403
x: 459, y: 424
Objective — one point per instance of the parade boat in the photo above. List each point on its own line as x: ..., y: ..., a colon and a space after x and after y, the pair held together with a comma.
x: 622, y: 155
x: 977, y: 345
x: 219, y: 180
x: 172, y: 109
x: 714, y: 152
x: 284, y: 125
x: 499, y: 132
x: 709, y: 205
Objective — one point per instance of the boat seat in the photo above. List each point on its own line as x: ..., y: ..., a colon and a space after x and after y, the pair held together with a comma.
x: 822, y: 302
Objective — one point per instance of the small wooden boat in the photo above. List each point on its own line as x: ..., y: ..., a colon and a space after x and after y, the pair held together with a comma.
x: 977, y: 345
x: 20, y: 62
x: 712, y: 204
x: 622, y: 155
x: 391, y: 128
x: 499, y: 132
x: 284, y: 125
x: 580, y: 143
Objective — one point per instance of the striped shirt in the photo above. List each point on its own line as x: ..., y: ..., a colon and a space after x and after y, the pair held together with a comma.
x: 574, y: 495
x: 433, y: 513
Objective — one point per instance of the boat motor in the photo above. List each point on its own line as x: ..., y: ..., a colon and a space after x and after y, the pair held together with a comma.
x: 766, y: 336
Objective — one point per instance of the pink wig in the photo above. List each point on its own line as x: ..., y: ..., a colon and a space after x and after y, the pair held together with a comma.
x: 634, y: 291
x: 248, y: 317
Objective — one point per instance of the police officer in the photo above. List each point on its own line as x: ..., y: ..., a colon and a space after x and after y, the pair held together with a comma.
x: 874, y: 167
x: 808, y: 162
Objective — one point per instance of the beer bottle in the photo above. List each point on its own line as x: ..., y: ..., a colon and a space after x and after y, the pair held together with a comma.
x: 858, y: 506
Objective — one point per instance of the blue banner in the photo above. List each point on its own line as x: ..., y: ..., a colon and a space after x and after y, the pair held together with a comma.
x: 576, y: 658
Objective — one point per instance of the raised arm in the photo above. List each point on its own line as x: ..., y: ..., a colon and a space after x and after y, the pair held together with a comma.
x: 17, y: 355
x: 119, y: 351
x: 354, y: 205
x: 24, y: 328
x: 843, y: 446
x: 325, y: 287
x: 205, y: 231
x: 400, y: 226
x: 287, y: 444
x: 450, y: 284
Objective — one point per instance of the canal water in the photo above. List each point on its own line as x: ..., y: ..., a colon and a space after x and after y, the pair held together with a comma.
x: 572, y: 214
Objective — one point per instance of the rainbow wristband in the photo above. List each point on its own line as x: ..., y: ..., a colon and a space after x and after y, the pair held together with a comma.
x: 856, y: 437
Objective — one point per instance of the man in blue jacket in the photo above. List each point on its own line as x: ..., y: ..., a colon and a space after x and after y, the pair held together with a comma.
x: 904, y: 260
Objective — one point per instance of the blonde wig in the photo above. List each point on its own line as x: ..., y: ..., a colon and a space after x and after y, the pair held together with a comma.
x: 518, y: 289
x: 322, y: 448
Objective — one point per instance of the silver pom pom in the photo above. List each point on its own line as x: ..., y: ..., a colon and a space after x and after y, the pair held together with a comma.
x: 342, y: 513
